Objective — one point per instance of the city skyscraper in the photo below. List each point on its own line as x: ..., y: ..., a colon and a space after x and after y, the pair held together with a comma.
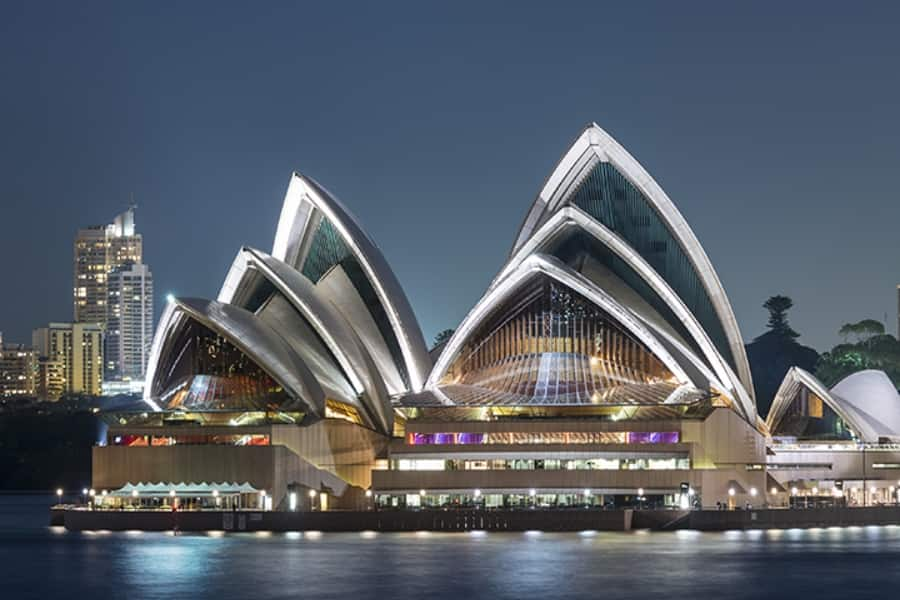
x: 78, y: 350
x: 99, y: 250
x: 129, y: 325
x: 114, y: 289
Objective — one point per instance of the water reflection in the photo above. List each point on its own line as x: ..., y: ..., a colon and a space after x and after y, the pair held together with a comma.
x: 40, y: 561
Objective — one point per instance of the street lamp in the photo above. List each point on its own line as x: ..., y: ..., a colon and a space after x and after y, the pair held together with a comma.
x: 59, y: 494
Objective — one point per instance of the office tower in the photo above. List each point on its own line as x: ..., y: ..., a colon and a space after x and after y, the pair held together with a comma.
x: 18, y: 369
x: 78, y: 348
x: 98, y: 251
x: 129, y: 325
x: 114, y: 289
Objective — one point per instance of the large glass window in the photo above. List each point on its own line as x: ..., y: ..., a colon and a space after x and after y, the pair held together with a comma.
x: 614, y: 201
x: 809, y: 417
x: 548, y: 345
x: 210, y: 373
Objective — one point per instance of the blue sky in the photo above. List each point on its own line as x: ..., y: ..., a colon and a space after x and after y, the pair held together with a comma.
x: 773, y: 127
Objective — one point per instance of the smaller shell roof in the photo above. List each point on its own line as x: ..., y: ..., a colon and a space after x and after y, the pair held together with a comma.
x: 872, y: 397
x: 867, y: 401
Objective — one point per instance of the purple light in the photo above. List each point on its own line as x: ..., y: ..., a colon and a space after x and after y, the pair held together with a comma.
x: 470, y: 438
x: 653, y: 437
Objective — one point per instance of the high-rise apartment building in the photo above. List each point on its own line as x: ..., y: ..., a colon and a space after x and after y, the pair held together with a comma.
x: 114, y: 289
x: 18, y: 370
x: 98, y: 251
x: 129, y: 325
x: 78, y: 349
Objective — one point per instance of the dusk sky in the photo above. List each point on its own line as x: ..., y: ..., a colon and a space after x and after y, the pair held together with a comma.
x: 772, y: 126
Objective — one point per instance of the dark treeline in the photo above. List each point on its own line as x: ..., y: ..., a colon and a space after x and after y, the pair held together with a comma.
x: 44, y: 451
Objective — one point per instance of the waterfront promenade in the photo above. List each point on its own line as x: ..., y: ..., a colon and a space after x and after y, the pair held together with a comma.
x: 77, y: 519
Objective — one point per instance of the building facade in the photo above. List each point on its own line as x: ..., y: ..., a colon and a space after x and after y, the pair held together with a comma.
x: 836, y: 445
x: 602, y: 366
x: 18, y: 370
x: 75, y: 350
x: 129, y: 324
x: 114, y: 289
x: 98, y: 250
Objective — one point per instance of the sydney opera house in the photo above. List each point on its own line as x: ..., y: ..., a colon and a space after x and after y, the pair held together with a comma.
x: 602, y: 366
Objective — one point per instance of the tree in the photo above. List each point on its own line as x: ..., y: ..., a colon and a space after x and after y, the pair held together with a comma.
x: 778, y: 323
x: 443, y: 336
x: 862, y: 331
x: 775, y: 351
x: 865, y: 346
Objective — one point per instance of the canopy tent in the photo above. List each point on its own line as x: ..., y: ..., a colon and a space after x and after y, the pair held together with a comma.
x: 195, y: 490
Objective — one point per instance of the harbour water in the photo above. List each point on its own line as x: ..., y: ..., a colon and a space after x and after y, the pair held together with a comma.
x: 38, y: 561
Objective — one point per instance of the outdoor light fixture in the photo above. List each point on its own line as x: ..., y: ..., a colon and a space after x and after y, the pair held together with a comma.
x: 794, y: 491
x: 171, y: 493
x: 640, y: 491
x: 92, y: 493
x: 477, y: 493
x: 532, y: 492
x: 215, y: 493
x: 731, y: 491
x: 59, y: 492
x: 84, y: 491
x: 753, y: 491
x: 292, y: 501
x: 421, y: 492
x: 774, y: 491
x: 313, y: 493
x: 368, y: 493
x: 587, y: 492
x: 170, y: 298
x: 134, y: 493
x: 815, y: 491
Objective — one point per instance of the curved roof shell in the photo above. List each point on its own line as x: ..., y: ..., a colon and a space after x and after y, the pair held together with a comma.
x: 866, y: 401
x: 599, y: 175
x: 314, y: 232
x: 252, y: 337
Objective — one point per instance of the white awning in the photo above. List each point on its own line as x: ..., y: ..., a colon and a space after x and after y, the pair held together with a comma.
x: 162, y: 489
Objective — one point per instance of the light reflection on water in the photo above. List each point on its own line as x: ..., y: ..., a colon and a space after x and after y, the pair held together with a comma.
x: 45, y: 562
